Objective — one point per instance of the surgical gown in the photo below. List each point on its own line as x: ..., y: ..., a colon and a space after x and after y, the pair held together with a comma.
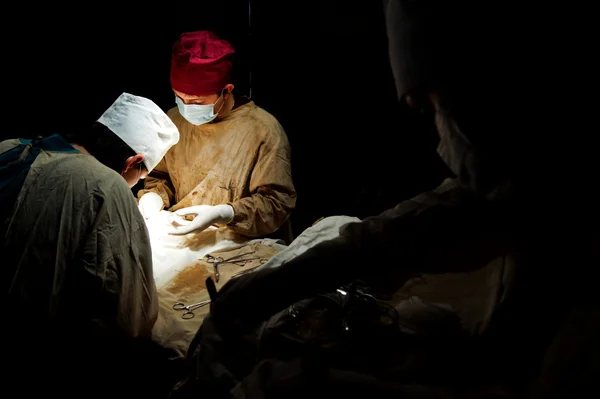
x: 242, y: 160
x: 77, y: 250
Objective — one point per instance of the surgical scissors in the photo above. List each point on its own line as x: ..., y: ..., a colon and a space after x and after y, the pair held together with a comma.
x: 189, y: 309
x: 217, y: 260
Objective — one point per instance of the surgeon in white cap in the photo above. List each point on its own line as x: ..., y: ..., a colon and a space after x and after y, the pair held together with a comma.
x: 76, y: 264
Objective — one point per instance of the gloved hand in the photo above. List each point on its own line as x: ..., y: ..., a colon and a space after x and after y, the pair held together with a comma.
x: 150, y: 205
x: 205, y: 216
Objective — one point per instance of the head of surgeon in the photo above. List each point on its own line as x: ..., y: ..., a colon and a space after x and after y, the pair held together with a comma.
x: 457, y: 62
x: 130, y: 137
x: 201, y: 65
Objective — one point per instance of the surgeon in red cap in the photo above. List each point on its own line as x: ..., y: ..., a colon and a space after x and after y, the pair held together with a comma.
x: 232, y: 163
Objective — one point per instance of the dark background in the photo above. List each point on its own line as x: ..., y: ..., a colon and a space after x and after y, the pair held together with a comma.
x: 320, y: 67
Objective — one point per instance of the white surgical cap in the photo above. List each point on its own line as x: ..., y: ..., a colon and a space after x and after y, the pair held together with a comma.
x: 143, y: 126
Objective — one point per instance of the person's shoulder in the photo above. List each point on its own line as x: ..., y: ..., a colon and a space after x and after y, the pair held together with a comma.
x: 89, y: 190
x: 262, y: 115
x: 110, y: 182
x: 264, y: 122
x: 86, y: 171
x: 87, y: 167
x: 7, y: 145
x: 104, y: 188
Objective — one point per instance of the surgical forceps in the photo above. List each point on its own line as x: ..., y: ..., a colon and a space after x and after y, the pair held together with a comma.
x: 217, y: 260
x: 189, y: 309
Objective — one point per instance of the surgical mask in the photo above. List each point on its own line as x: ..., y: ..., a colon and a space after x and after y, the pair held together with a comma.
x: 197, y: 114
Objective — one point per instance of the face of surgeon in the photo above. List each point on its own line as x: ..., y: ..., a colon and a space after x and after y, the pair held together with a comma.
x: 222, y: 103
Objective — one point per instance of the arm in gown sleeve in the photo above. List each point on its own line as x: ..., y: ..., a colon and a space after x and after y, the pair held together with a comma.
x: 449, y: 230
x: 159, y: 182
x: 272, y: 193
x: 118, y: 260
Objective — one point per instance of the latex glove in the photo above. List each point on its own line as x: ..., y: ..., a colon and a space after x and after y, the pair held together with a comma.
x: 150, y: 205
x: 204, y: 216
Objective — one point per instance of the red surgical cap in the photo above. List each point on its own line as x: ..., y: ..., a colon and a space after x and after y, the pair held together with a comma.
x: 200, y: 63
